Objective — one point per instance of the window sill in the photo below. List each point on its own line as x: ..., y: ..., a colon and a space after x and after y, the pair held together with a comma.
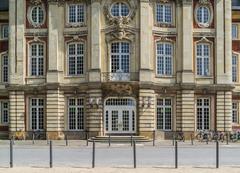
x: 4, y: 124
x: 35, y: 77
x: 204, y: 77
x: 165, y: 76
x: 77, y: 76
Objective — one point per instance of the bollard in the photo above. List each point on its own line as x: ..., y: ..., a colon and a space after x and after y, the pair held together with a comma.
x: 134, y: 155
x: 207, y: 140
x: 217, y: 154
x: 51, y: 156
x: 131, y: 140
x: 192, y: 139
x: 66, y: 140
x: 176, y: 154
x: 93, y: 155
x: 109, y: 140
x: 154, y: 137
x: 11, y: 153
x: 33, y: 138
x: 227, y: 139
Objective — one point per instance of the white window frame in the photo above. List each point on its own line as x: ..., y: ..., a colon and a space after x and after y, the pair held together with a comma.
x: 5, y: 68
x: 120, y: 9
x: 76, y: 56
x: 202, y: 107
x: 5, y: 31
x: 202, y: 72
x: 234, y: 31
x: 164, y: 107
x: 164, y: 13
x: 76, y: 106
x: 3, y: 109
x: 38, y: 107
x: 235, y: 68
x: 30, y: 19
x: 76, y: 22
x: 165, y: 57
x: 235, y: 111
x: 201, y: 22
x: 38, y: 58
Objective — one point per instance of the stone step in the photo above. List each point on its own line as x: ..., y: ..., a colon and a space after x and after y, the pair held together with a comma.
x: 4, y: 135
x: 120, y: 139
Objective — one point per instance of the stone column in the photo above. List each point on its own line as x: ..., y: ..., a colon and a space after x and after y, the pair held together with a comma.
x: 146, y: 39
x: 146, y: 114
x: 16, y: 112
x: 224, y: 111
x: 187, y: 42
x: 95, y: 61
x: 55, y: 114
x: 94, y: 120
x: 55, y: 42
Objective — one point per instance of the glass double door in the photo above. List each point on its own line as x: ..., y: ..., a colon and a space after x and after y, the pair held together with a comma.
x: 120, y: 120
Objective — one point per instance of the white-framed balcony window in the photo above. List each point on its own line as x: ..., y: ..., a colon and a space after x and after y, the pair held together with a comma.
x: 164, y: 114
x: 234, y: 31
x: 76, y: 13
x: 203, y: 113
x: 234, y: 111
x: 234, y: 68
x: 37, y: 114
x: 164, y: 59
x: 5, y: 68
x: 75, y: 59
x: 164, y: 13
x: 203, y: 59
x: 36, y: 59
x: 120, y: 9
x: 4, y: 107
x: 76, y: 114
x: 4, y: 31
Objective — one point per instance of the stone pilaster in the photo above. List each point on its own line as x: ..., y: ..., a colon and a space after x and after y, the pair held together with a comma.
x: 146, y: 113
x: 94, y: 113
x: 16, y: 112
x: 55, y: 114
x: 224, y: 111
x: 185, y: 117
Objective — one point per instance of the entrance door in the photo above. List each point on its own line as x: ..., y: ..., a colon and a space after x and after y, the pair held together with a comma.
x: 120, y: 118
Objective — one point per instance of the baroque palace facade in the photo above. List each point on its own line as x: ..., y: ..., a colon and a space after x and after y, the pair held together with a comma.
x: 118, y: 67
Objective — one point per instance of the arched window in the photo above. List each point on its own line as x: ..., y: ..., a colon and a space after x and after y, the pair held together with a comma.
x: 120, y: 9
x: 164, y: 13
x: 75, y: 59
x: 36, y: 59
x: 164, y: 58
x: 203, y: 59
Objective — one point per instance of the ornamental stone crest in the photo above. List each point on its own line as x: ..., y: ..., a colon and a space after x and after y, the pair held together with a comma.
x: 118, y: 90
x: 204, y: 2
x: 36, y: 2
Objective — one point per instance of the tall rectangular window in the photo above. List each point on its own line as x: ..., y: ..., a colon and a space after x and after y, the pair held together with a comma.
x: 203, y: 113
x: 164, y: 13
x: 203, y: 59
x: 234, y: 31
x: 36, y: 59
x: 4, y: 112
x: 120, y: 57
x: 76, y: 114
x: 235, y: 112
x: 234, y: 68
x: 76, y: 13
x: 164, y: 58
x: 5, y: 69
x: 37, y: 113
x: 75, y: 59
x: 164, y: 114
x: 4, y: 31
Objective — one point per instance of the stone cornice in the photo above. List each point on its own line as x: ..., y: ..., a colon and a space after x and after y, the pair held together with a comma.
x: 62, y: 2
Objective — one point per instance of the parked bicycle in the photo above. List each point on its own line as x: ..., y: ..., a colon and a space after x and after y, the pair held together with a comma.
x: 235, y: 136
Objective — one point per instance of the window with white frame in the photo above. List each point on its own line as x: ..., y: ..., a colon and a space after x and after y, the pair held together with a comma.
x: 36, y: 59
x: 4, y: 112
x: 4, y: 31
x: 164, y: 13
x: 119, y: 9
x: 120, y: 57
x: 76, y: 114
x: 203, y: 59
x: 5, y: 69
x: 37, y: 113
x: 164, y: 114
x: 164, y: 58
x: 234, y: 31
x: 235, y: 112
x: 37, y: 15
x: 203, y: 15
x: 203, y: 113
x: 76, y: 13
x: 75, y: 59
x: 234, y: 68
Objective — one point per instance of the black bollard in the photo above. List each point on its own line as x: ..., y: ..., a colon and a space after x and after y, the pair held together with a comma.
x: 227, y: 138
x: 50, y: 154
x: 134, y: 155
x: 93, y: 155
x: 131, y: 140
x: 217, y: 154
x: 176, y: 154
x: 66, y: 140
x: 11, y: 153
x: 33, y: 138
x: 192, y: 139
x: 154, y: 137
x: 109, y: 140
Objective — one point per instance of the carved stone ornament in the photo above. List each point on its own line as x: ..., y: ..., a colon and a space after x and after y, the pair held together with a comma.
x: 204, y: 2
x: 62, y: 2
x: 36, y: 2
x: 119, y: 90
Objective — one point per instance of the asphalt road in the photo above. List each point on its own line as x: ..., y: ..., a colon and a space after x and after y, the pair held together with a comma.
x: 120, y: 155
